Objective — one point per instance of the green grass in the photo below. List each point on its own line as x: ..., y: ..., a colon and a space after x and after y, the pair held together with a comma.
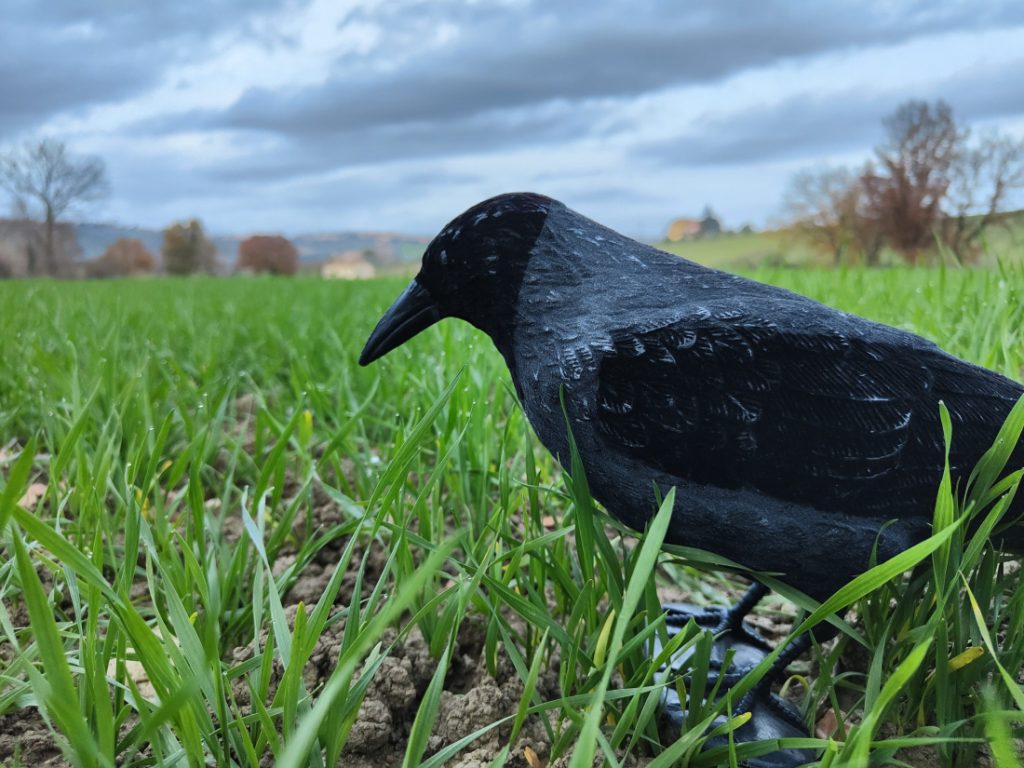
x: 158, y: 416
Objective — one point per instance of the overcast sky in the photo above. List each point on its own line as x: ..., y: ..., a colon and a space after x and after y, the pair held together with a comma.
x: 318, y: 115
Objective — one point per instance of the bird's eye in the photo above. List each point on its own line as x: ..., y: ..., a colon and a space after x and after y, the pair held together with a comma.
x: 444, y: 257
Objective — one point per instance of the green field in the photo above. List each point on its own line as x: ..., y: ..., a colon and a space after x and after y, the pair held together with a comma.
x: 223, y: 543
x: 786, y: 248
x: 747, y: 251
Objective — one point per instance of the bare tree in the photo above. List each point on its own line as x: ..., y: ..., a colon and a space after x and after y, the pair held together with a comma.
x: 42, y: 178
x: 868, y: 233
x: 832, y: 209
x: 983, y: 176
x: 821, y: 206
x: 916, y: 162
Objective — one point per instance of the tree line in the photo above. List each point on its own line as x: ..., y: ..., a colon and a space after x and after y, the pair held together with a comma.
x: 931, y: 185
x: 45, y: 181
x: 186, y: 251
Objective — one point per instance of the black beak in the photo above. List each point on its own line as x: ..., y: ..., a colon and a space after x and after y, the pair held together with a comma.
x: 412, y: 312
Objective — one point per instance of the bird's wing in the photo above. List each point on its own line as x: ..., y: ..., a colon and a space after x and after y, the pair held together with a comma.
x: 835, y: 412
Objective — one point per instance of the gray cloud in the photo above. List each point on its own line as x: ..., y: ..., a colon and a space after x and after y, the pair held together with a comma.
x: 524, y: 75
x: 810, y: 124
x: 60, y: 56
x: 362, y: 198
x: 301, y: 155
x: 434, y: 79
x: 61, y: 74
x: 513, y: 57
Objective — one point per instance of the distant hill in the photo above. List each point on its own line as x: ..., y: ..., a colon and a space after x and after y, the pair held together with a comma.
x: 385, y: 250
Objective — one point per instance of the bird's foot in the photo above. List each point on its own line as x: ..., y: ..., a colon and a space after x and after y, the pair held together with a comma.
x: 771, y: 717
x: 731, y: 632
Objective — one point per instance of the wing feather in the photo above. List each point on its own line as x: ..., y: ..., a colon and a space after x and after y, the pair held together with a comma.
x: 842, y: 418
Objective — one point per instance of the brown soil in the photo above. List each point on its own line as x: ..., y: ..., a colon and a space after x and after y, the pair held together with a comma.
x: 471, y: 700
x: 472, y: 697
x: 26, y: 741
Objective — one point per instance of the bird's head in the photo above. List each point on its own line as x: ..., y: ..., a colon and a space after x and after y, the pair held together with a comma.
x: 472, y: 270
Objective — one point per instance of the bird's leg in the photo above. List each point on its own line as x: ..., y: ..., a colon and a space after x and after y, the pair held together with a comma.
x: 727, y: 625
x: 736, y: 614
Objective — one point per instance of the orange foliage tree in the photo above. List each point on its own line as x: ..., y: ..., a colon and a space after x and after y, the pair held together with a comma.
x: 267, y: 253
x: 124, y: 256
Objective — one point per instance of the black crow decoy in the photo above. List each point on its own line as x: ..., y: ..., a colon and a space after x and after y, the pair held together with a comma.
x: 799, y: 438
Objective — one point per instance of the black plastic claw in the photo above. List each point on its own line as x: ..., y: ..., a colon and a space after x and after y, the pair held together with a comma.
x: 748, y: 648
x: 771, y: 717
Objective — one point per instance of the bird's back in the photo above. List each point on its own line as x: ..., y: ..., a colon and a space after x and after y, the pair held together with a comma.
x: 674, y: 373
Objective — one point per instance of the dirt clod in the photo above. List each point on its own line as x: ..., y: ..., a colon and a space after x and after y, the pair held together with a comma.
x: 25, y: 740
